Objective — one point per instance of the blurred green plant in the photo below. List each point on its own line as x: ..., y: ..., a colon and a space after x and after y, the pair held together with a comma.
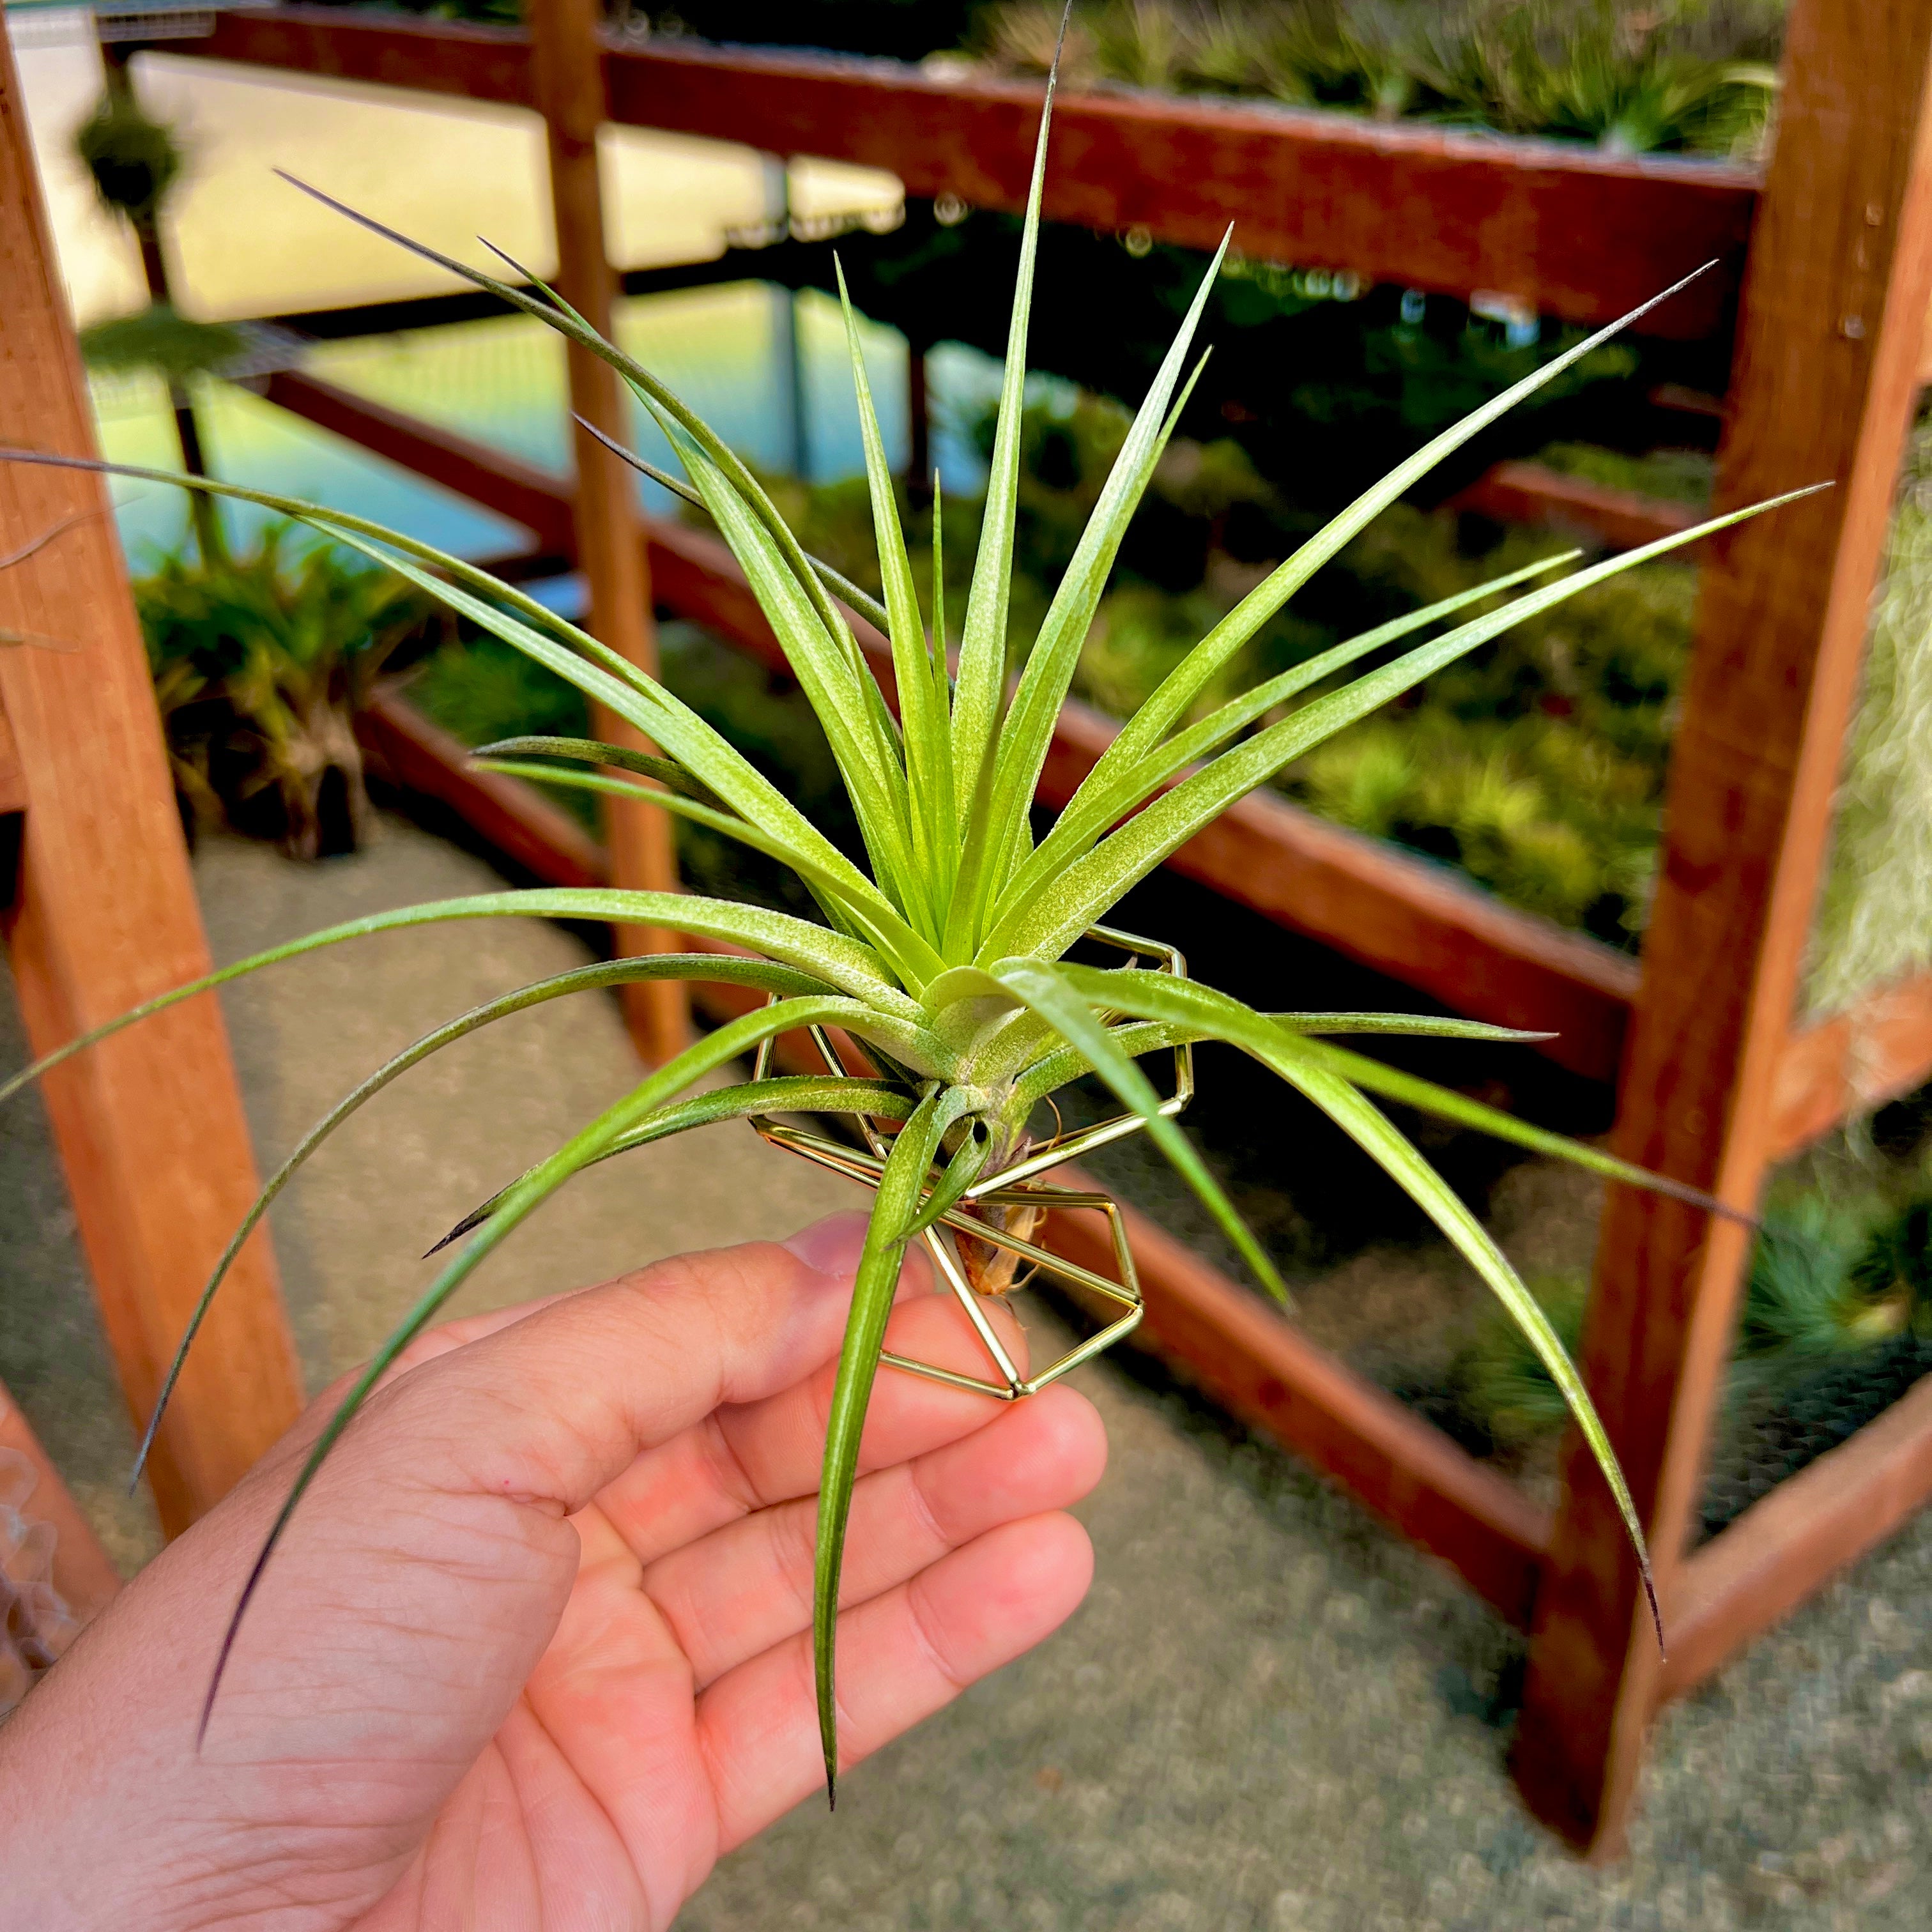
x: 1675, y: 476
x: 479, y: 690
x: 1503, y: 1388
x: 1697, y: 75
x: 1826, y: 1282
x: 1874, y: 921
x: 175, y: 347
x: 132, y: 158
x: 135, y: 161
x: 260, y: 662
x: 1538, y: 766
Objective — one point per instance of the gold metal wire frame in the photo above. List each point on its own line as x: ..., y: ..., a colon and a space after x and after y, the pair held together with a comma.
x: 1012, y: 1187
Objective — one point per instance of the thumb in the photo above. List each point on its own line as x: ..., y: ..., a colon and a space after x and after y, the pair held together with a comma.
x: 551, y: 1406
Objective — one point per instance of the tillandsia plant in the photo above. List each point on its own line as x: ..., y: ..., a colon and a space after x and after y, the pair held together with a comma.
x: 261, y: 662
x: 947, y: 955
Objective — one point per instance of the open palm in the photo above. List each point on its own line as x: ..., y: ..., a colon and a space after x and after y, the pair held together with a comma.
x: 536, y: 1652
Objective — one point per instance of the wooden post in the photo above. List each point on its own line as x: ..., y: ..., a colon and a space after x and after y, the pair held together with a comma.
x: 1833, y: 311
x: 568, y: 73
x: 149, y: 1124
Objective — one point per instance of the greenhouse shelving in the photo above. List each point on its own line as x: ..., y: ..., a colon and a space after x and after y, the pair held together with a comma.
x: 1574, y: 233
x: 1714, y: 1081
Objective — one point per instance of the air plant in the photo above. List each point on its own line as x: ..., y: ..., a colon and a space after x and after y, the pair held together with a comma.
x: 1684, y: 74
x: 261, y: 662
x: 1633, y: 81
x: 946, y: 955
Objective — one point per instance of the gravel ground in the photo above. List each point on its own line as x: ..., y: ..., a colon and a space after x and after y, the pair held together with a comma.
x: 1269, y: 1714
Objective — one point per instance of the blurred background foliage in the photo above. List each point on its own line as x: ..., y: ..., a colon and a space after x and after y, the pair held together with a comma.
x: 1693, y: 75
x: 1696, y: 76
x: 260, y: 661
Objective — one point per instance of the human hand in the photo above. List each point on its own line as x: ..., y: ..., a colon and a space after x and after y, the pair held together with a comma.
x: 536, y: 1650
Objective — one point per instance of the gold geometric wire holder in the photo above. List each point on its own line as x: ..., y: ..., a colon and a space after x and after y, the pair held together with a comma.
x: 1013, y: 1187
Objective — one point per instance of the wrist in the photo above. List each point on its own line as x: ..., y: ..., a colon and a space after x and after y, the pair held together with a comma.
x: 110, y: 1815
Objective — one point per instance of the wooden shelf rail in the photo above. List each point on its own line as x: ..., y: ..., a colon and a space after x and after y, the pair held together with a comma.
x: 1576, y: 232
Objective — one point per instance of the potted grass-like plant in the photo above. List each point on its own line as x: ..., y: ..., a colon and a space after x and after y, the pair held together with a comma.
x: 948, y: 955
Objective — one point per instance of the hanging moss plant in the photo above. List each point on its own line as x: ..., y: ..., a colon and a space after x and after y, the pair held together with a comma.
x: 134, y: 159
x: 175, y: 347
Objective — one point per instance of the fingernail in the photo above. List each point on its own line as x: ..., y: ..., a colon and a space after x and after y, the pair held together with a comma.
x: 831, y: 1247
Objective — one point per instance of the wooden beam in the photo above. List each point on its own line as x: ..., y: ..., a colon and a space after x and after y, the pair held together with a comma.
x: 1533, y: 492
x: 1838, y: 1068
x: 1576, y: 232
x: 204, y: 511
x: 418, y: 756
x: 421, y: 56
x: 1795, y: 1540
x: 1833, y: 306
x: 149, y: 1124
x: 567, y: 76
x: 536, y: 498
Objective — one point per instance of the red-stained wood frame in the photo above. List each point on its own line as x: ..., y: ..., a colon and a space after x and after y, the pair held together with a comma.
x: 1576, y: 233
x: 1832, y: 323
x: 1716, y: 1081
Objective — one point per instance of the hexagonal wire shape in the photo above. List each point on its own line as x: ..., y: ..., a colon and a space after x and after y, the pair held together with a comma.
x: 1012, y: 1187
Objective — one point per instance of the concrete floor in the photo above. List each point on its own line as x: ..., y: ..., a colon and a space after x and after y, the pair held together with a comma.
x: 1269, y: 1714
